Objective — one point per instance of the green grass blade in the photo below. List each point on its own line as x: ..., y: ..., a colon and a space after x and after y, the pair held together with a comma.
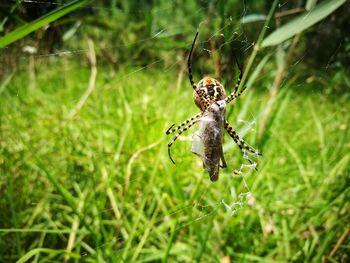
x: 39, y: 230
x: 310, y: 4
x: 36, y: 251
x: 40, y: 22
x: 171, y: 241
x: 301, y: 22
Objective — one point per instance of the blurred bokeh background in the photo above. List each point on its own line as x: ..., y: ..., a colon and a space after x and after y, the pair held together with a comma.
x: 88, y: 89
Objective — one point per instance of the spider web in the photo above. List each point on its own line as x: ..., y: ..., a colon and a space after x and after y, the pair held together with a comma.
x: 236, y: 193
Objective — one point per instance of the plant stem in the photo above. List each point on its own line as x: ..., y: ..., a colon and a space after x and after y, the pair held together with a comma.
x: 258, y: 43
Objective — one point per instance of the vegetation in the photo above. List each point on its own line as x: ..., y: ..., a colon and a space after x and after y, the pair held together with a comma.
x: 83, y: 158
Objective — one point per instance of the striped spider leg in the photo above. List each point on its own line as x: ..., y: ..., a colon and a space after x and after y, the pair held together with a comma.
x: 243, y: 146
x: 184, y: 126
x: 201, y: 95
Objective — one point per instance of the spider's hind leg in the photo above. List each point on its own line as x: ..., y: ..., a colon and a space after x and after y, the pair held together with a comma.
x: 243, y: 146
x: 180, y: 131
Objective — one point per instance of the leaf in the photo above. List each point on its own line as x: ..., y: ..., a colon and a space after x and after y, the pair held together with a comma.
x: 253, y: 18
x: 40, y: 22
x: 302, y: 22
x: 310, y: 4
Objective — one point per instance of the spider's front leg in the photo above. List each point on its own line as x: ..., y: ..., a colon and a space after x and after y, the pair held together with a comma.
x: 188, y: 124
x: 234, y: 95
x: 203, y: 97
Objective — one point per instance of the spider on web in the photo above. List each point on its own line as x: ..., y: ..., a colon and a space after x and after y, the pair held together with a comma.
x: 210, y: 97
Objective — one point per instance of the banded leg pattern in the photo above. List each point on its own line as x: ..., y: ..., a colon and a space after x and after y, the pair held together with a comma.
x: 240, y: 75
x: 177, y: 135
x: 189, y: 63
x: 234, y: 95
x: 180, y: 126
x: 240, y: 142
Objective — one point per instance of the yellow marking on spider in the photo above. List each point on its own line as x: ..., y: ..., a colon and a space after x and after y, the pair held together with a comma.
x: 208, y: 81
x: 216, y: 92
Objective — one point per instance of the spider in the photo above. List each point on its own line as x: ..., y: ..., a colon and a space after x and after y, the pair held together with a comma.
x: 205, y: 93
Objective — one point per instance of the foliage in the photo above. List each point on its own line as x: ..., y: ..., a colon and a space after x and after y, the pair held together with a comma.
x: 42, y: 21
x: 99, y: 187
x: 302, y: 22
x: 89, y: 172
x: 135, y: 32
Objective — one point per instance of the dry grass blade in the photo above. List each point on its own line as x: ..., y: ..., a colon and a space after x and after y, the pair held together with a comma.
x: 92, y: 80
x: 340, y: 241
x: 133, y: 158
x: 277, y: 82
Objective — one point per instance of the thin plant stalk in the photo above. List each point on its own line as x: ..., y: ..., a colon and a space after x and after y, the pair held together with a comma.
x: 258, y: 43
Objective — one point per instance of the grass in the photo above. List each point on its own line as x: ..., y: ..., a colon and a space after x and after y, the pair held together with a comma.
x: 101, y: 188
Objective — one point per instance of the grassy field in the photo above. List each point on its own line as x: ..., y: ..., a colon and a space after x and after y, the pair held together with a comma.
x: 100, y: 187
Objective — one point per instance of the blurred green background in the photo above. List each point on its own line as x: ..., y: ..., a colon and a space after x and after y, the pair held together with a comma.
x: 88, y: 89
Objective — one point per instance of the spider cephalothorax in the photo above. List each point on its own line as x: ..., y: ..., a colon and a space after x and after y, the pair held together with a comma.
x: 212, y: 88
x: 207, y: 92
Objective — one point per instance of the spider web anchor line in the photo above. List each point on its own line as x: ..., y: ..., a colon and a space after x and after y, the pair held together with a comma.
x: 252, y: 164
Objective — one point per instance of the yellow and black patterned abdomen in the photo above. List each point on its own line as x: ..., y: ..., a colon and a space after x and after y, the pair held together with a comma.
x: 212, y: 88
